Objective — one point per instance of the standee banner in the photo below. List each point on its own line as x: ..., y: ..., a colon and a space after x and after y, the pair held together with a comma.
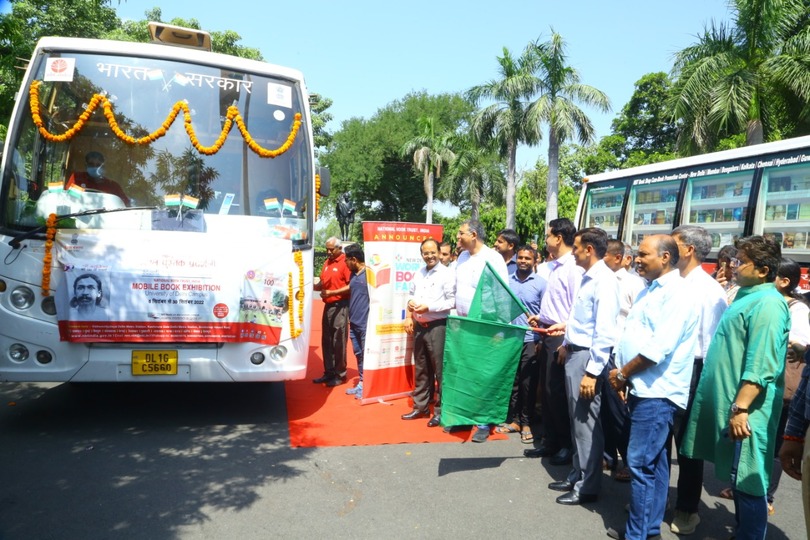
x: 166, y: 286
x: 392, y: 257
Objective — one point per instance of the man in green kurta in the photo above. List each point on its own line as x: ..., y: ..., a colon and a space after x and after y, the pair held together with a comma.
x: 739, y: 397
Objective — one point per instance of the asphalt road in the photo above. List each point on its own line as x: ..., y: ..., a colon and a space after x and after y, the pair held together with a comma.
x: 182, y: 461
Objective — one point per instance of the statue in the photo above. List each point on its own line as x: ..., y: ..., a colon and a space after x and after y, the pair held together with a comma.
x: 345, y: 215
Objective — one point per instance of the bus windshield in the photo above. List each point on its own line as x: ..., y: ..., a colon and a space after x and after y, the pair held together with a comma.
x: 111, y: 131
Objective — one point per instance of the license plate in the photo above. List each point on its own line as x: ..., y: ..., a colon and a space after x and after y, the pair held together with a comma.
x: 154, y: 362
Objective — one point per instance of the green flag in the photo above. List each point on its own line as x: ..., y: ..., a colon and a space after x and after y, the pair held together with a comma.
x: 494, y: 300
x: 481, y: 353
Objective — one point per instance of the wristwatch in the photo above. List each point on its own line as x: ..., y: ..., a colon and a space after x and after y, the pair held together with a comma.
x: 735, y: 409
x: 620, y: 376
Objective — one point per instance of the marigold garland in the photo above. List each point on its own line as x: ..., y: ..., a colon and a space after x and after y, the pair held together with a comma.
x: 299, y: 262
x: 317, y: 193
x: 47, y: 259
x: 233, y: 116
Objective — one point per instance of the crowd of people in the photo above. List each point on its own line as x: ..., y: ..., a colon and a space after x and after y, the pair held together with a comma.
x: 625, y: 354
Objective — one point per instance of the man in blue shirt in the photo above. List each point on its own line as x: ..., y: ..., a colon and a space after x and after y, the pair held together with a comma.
x: 654, y: 357
x: 358, y: 309
x: 528, y: 287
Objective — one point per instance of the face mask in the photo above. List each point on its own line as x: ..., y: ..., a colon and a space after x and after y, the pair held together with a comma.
x: 95, y: 172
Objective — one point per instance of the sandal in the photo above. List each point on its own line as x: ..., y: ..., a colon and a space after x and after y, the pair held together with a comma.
x: 508, y: 428
x: 526, y: 436
x: 727, y: 493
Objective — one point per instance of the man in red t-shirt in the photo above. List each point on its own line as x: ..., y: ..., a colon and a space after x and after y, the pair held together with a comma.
x: 94, y: 179
x: 334, y: 287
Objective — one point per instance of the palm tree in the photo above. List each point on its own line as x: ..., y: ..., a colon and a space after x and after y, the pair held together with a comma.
x: 430, y: 151
x: 735, y: 78
x: 475, y: 171
x: 505, y: 122
x: 560, y: 91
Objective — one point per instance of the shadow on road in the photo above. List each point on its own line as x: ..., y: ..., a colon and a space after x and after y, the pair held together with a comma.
x: 136, y: 460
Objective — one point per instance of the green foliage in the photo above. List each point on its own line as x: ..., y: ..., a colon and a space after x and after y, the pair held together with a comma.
x: 318, y: 106
x: 645, y: 122
x: 365, y: 156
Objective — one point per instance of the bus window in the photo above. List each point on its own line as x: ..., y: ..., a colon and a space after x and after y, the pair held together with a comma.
x: 783, y: 209
x: 603, y: 207
x: 719, y: 204
x: 650, y: 209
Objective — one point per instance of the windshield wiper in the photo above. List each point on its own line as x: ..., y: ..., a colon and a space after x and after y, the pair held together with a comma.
x: 17, y: 240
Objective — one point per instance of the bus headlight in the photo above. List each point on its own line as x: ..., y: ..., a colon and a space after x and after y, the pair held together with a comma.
x: 257, y: 358
x: 18, y: 352
x: 49, y: 305
x: 22, y: 298
x: 278, y: 353
x: 44, y: 357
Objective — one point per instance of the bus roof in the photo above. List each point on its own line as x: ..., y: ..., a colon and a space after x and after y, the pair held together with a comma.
x: 713, y: 157
x: 168, y: 52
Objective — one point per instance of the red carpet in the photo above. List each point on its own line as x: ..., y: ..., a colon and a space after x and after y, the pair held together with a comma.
x: 321, y: 416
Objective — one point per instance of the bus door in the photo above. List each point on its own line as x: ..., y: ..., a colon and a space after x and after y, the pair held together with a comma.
x: 603, y: 206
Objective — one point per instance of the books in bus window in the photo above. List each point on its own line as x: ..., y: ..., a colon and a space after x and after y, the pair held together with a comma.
x: 775, y: 236
x: 788, y: 240
x: 800, y: 240
x: 804, y: 211
x: 792, y: 211
x: 779, y: 183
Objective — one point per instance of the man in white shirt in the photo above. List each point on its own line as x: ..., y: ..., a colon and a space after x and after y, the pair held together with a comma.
x: 589, y: 337
x: 709, y: 300
x: 432, y: 296
x: 469, y: 266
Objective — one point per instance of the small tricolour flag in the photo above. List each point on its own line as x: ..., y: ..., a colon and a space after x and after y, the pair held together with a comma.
x: 76, y: 190
x: 190, y: 202
x: 172, y: 199
x: 271, y: 204
x: 289, y: 206
x: 56, y: 187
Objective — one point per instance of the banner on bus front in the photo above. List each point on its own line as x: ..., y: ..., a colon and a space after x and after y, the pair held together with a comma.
x: 166, y: 286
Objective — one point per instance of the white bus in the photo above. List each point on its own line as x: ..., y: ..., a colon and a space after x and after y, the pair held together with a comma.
x: 158, y: 219
x: 762, y: 189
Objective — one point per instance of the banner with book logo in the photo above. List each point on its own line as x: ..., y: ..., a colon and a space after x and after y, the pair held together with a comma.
x: 166, y: 286
x: 393, y: 255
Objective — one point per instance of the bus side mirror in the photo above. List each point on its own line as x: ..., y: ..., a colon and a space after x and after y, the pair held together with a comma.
x: 326, y: 182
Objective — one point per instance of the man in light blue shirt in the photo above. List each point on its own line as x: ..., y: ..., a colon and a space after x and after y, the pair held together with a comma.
x: 589, y: 336
x: 655, y: 357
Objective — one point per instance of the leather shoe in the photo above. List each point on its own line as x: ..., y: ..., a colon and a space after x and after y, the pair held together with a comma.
x: 414, y: 414
x: 323, y: 378
x: 573, y: 498
x: 336, y: 381
x: 541, y: 451
x: 435, y: 421
x: 563, y: 485
x: 563, y: 457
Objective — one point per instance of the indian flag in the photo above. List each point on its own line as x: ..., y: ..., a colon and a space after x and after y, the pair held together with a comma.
x: 190, y: 202
x: 289, y: 206
x: 172, y: 199
x: 55, y: 187
x: 76, y: 190
x: 271, y: 204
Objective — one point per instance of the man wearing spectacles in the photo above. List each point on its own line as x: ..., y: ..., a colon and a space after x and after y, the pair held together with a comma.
x: 739, y: 398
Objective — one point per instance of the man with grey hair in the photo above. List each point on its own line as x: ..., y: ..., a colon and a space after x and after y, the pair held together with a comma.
x: 471, y: 263
x: 334, y: 288
x: 709, y: 300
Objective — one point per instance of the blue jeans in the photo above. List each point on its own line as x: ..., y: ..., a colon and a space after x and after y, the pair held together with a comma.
x: 751, y: 513
x: 650, y: 422
x: 358, y: 337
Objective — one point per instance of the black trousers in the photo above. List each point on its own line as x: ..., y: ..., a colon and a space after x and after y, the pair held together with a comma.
x: 524, y: 390
x: 690, y: 471
x: 428, y: 358
x: 335, y: 327
x: 556, y: 423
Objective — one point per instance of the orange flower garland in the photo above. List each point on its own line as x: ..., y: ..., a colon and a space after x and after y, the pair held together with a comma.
x: 47, y: 259
x: 317, y: 193
x: 299, y: 262
x: 233, y: 115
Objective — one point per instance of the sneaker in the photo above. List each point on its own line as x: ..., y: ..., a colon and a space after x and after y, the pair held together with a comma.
x: 354, y: 390
x: 684, y: 522
x: 359, y: 393
x: 480, y: 435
